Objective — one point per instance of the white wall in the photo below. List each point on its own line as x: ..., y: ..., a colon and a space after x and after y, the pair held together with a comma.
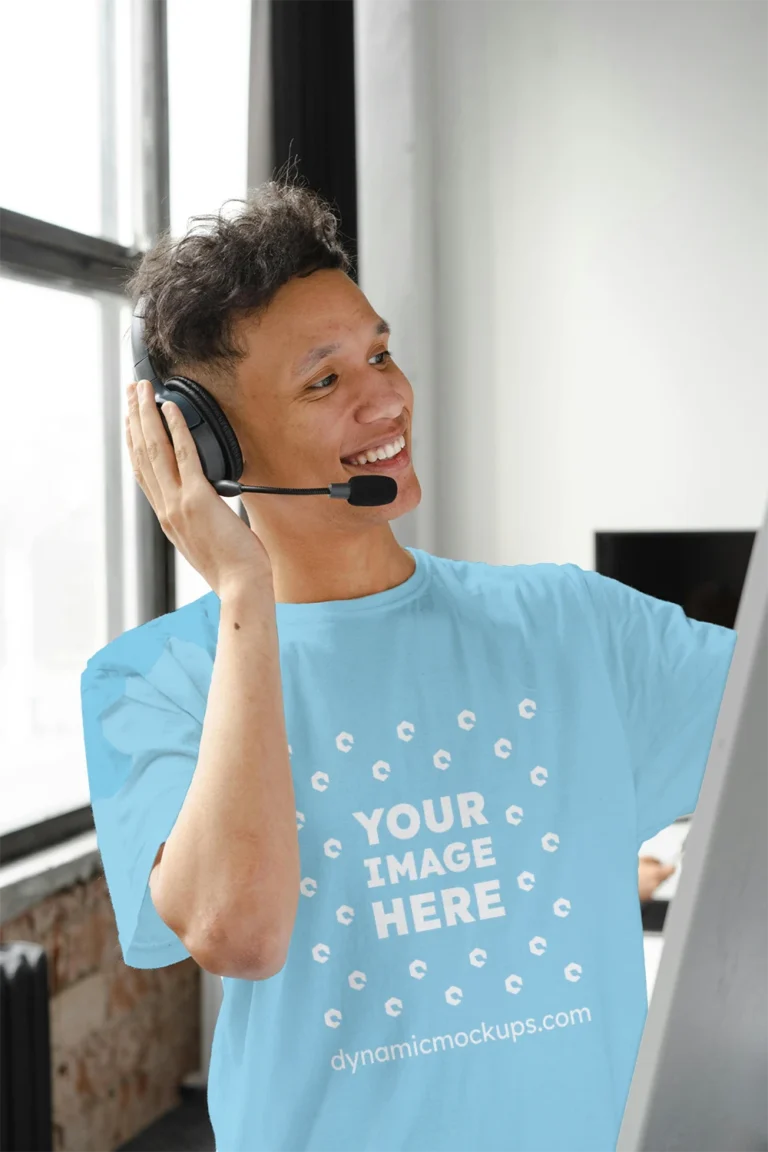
x: 596, y: 236
x: 394, y: 196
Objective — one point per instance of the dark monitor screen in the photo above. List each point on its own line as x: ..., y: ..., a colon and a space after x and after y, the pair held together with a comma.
x: 703, y: 572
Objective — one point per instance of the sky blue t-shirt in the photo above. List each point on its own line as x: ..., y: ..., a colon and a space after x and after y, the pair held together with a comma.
x: 477, y: 756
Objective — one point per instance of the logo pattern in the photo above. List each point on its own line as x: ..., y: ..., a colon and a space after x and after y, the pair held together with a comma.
x: 402, y: 822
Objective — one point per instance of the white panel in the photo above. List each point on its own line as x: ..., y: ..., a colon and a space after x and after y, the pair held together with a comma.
x: 571, y: 196
x: 394, y: 184
x: 629, y: 181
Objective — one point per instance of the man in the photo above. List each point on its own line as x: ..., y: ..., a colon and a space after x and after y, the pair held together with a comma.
x: 396, y: 801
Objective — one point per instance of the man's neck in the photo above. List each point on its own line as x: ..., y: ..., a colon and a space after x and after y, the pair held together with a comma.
x: 338, y: 568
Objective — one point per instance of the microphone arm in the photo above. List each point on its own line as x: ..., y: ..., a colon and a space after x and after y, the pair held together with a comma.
x: 233, y: 488
x: 366, y: 491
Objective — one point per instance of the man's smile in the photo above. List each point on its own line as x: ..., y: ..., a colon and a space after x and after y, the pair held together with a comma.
x: 395, y: 463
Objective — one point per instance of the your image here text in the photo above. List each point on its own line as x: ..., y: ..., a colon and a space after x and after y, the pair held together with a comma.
x: 445, y: 907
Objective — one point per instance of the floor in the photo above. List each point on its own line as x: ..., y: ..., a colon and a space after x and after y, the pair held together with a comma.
x: 186, y: 1129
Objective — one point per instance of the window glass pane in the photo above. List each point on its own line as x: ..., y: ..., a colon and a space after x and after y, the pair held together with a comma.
x: 217, y: 113
x: 52, y: 545
x: 65, y: 133
x: 208, y: 122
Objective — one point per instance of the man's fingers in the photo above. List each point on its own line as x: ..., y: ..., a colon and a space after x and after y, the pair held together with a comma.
x: 183, y: 445
x: 142, y: 465
x: 136, y: 471
x: 158, y: 447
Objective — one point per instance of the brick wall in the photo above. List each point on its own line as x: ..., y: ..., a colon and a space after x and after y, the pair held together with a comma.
x: 122, y: 1038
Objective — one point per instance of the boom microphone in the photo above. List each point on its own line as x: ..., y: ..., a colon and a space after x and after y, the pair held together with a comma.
x: 364, y: 491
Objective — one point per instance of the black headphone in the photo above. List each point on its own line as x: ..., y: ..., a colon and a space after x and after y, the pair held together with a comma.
x: 217, y: 445
x: 220, y: 455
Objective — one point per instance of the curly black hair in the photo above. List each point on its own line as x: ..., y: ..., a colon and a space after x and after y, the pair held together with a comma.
x: 227, y: 267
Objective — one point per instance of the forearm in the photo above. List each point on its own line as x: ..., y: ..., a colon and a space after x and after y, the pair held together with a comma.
x: 229, y: 875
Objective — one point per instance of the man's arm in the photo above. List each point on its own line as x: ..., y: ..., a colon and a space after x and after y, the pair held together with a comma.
x: 227, y: 878
x: 666, y: 675
x: 227, y: 881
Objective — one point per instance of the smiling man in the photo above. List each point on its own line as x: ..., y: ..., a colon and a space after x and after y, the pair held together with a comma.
x: 394, y: 800
x: 316, y: 390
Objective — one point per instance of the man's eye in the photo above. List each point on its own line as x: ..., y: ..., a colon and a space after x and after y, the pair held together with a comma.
x: 321, y: 385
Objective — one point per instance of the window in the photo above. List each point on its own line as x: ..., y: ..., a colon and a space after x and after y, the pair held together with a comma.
x: 207, y: 120
x: 208, y: 112
x: 89, y: 175
x: 65, y: 90
x: 53, y: 576
x: 72, y: 179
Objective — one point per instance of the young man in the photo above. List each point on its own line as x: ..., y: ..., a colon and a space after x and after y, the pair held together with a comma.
x: 394, y: 800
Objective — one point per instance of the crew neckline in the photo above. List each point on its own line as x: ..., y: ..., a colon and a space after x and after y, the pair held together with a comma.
x: 325, y: 610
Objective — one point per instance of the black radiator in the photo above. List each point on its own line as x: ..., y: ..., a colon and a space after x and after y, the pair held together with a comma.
x: 25, y: 1050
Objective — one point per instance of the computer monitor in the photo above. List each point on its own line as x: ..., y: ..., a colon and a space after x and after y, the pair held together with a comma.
x: 702, y: 571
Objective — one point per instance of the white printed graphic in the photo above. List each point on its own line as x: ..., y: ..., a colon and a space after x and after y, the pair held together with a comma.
x: 345, y: 914
x: 344, y: 741
x: 561, y: 907
x: 381, y: 770
x: 357, y: 980
x: 393, y: 1006
x: 417, y: 969
x: 550, y: 842
x: 502, y: 748
x: 538, y: 945
x: 478, y: 957
x: 332, y: 1017
x: 405, y: 730
x: 470, y: 810
x: 300, y: 820
x: 527, y: 709
x: 513, y: 984
x: 320, y: 781
x: 332, y: 848
x: 514, y: 814
x: 467, y: 719
x: 441, y: 759
x: 538, y: 775
x: 526, y: 880
x: 290, y: 750
x: 572, y: 972
x: 453, y: 995
x: 308, y: 886
x: 321, y: 952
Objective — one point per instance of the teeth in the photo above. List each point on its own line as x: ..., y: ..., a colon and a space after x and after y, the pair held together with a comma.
x: 386, y: 452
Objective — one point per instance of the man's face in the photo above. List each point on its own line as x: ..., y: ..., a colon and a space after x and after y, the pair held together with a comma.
x: 300, y: 413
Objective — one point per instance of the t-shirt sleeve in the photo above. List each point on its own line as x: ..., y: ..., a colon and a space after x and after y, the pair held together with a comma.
x: 142, y: 737
x: 668, y: 674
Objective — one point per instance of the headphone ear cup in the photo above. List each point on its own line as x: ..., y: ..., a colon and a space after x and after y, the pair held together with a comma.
x: 217, y: 446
